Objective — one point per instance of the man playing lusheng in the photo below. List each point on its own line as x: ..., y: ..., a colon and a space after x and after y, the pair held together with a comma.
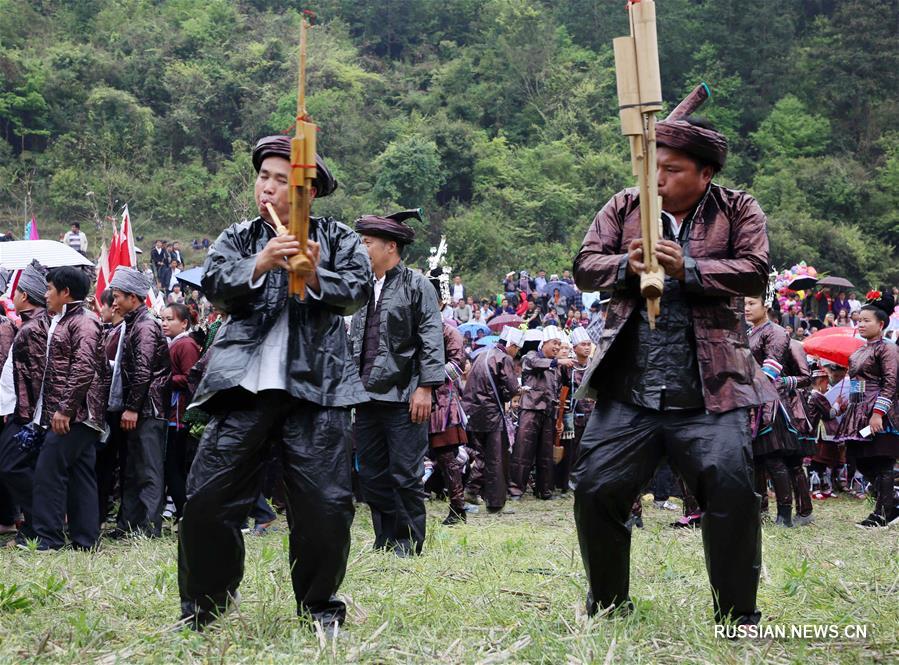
x: 280, y: 371
x: 684, y: 389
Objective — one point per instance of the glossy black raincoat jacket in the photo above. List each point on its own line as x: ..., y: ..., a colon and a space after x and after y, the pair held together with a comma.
x: 320, y: 368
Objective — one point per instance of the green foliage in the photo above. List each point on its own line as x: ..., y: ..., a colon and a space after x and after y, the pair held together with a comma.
x: 498, y: 117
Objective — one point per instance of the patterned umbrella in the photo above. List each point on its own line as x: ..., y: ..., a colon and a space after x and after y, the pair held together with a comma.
x: 503, y: 320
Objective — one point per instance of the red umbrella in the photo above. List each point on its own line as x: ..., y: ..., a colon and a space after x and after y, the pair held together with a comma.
x: 511, y: 320
x: 833, y: 344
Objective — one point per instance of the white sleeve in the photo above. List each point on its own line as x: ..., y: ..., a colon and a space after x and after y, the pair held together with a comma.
x: 7, y: 387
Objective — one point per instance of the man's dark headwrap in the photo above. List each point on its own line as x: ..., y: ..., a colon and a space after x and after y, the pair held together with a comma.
x: 391, y: 227
x: 33, y: 283
x: 279, y: 146
x: 706, y: 145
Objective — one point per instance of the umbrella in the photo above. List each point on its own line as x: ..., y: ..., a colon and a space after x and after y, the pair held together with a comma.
x: 840, y: 282
x: 532, y: 339
x: 192, y: 278
x: 17, y: 254
x: 802, y: 283
x: 566, y: 290
x: 473, y: 327
x: 833, y: 346
x: 478, y: 351
x: 497, y: 324
x: 484, y: 341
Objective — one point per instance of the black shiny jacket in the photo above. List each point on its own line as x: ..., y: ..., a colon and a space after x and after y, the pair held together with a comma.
x: 410, y: 352
x: 320, y: 368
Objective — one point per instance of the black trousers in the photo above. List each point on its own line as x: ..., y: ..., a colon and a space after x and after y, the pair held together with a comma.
x: 225, y: 482
x: 17, y: 474
x: 58, y: 481
x: 180, y: 449
x: 143, y: 487
x: 65, y: 485
x: 110, y: 465
x: 8, y: 509
x: 619, y: 453
x: 391, y: 451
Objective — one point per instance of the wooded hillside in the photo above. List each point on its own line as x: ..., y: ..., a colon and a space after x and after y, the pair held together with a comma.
x: 498, y: 117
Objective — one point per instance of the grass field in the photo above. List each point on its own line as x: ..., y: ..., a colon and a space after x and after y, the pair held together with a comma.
x: 502, y: 589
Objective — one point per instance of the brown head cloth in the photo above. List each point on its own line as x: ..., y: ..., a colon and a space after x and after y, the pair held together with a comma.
x: 279, y: 146
x: 675, y: 132
x: 391, y: 227
x: 706, y: 145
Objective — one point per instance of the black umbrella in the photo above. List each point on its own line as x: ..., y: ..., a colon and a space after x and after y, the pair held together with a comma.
x: 802, y: 283
x: 838, y: 282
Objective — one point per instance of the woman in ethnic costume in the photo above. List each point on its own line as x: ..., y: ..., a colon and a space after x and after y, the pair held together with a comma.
x: 867, y: 426
x: 774, y: 435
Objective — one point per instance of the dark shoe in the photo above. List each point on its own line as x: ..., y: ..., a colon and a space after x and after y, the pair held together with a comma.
x: 507, y: 510
x: 873, y: 521
x: 197, y: 618
x: 634, y: 521
x: 403, y: 549
x: 454, y: 517
x: 803, y: 520
x: 784, y: 518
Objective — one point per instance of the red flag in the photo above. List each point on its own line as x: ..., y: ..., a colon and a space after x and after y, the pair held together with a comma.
x: 127, y: 254
x: 114, y: 248
x: 103, y: 275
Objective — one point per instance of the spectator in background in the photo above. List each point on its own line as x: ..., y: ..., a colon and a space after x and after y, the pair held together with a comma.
x: 159, y: 257
x: 540, y: 281
x: 463, y: 311
x: 566, y: 277
x: 854, y: 304
x: 509, y: 284
x: 794, y: 319
x: 173, y: 278
x: 164, y: 276
x: 840, y: 304
x: 75, y: 238
x: 176, y: 253
x: 558, y: 303
x: 458, y: 290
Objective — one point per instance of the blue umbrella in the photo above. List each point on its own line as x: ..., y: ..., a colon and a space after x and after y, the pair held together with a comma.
x: 484, y: 341
x: 566, y: 290
x: 473, y: 327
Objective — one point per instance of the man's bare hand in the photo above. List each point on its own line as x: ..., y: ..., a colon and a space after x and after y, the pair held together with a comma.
x: 420, y: 404
x: 60, y: 423
x: 129, y: 420
x: 313, y: 253
x: 275, y: 254
x: 635, y: 265
x: 565, y: 362
x: 670, y: 256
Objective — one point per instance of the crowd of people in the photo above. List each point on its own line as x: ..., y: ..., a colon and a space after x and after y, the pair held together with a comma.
x: 113, y: 413
x: 827, y: 308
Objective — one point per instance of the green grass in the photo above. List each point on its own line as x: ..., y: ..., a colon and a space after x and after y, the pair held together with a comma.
x: 502, y: 589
